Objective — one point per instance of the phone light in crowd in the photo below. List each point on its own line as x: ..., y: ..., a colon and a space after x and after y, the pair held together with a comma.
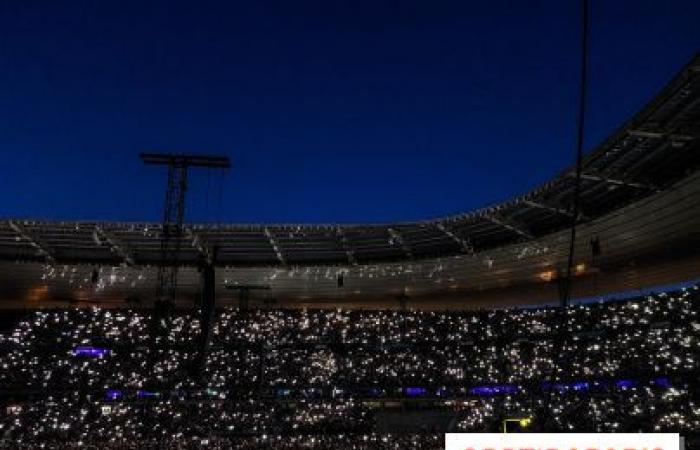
x: 13, y: 410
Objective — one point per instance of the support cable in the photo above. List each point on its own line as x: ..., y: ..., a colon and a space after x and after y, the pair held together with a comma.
x: 561, y: 341
x: 565, y: 292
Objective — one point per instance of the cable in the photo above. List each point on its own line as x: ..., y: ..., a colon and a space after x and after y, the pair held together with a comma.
x: 207, y: 213
x: 560, y: 342
x: 567, y: 282
x: 219, y: 200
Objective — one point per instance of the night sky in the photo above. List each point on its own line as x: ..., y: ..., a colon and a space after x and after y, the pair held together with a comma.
x: 332, y: 111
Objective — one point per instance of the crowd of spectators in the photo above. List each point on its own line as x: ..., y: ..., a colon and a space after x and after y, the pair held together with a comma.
x: 278, y: 442
x: 300, y: 379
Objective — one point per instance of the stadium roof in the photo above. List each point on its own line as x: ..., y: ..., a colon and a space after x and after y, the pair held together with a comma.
x: 647, y: 155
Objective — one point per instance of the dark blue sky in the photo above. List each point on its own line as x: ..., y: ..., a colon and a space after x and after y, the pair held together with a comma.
x: 332, y: 111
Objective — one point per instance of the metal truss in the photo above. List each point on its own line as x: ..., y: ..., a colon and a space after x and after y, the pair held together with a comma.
x: 41, y: 247
x: 396, y: 238
x: 115, y: 246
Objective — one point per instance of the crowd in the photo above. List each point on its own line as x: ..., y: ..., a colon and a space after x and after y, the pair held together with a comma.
x: 279, y: 442
x: 95, y: 375
x: 654, y: 407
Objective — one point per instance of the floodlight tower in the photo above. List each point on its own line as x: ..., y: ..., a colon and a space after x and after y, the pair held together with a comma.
x: 174, y: 214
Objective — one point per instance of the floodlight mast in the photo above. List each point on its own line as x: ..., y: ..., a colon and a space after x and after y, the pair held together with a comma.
x: 174, y: 214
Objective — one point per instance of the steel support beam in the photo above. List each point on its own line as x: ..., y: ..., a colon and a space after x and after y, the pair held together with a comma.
x: 463, y: 243
x: 185, y: 160
x: 657, y: 134
x: 174, y: 212
x: 646, y: 134
x: 509, y: 225
x: 554, y: 209
x: 275, y: 247
x: 208, y: 306
x: 616, y: 181
x: 346, y: 246
x: 244, y: 293
x: 170, y: 239
x: 196, y: 241
x: 41, y: 247
x: 115, y: 246
x: 398, y: 239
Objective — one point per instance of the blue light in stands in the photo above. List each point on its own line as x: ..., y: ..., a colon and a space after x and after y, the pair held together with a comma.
x: 624, y: 384
x: 494, y: 389
x: 147, y: 394
x: 91, y: 352
x: 283, y: 392
x: 663, y: 382
x: 113, y: 394
x: 415, y: 391
x: 374, y: 392
x: 312, y: 393
x: 575, y: 386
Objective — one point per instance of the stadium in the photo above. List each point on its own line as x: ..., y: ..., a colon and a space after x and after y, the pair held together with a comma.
x: 638, y: 229
x: 179, y: 335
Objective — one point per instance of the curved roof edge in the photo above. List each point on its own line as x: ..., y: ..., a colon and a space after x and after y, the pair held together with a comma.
x: 650, y: 152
